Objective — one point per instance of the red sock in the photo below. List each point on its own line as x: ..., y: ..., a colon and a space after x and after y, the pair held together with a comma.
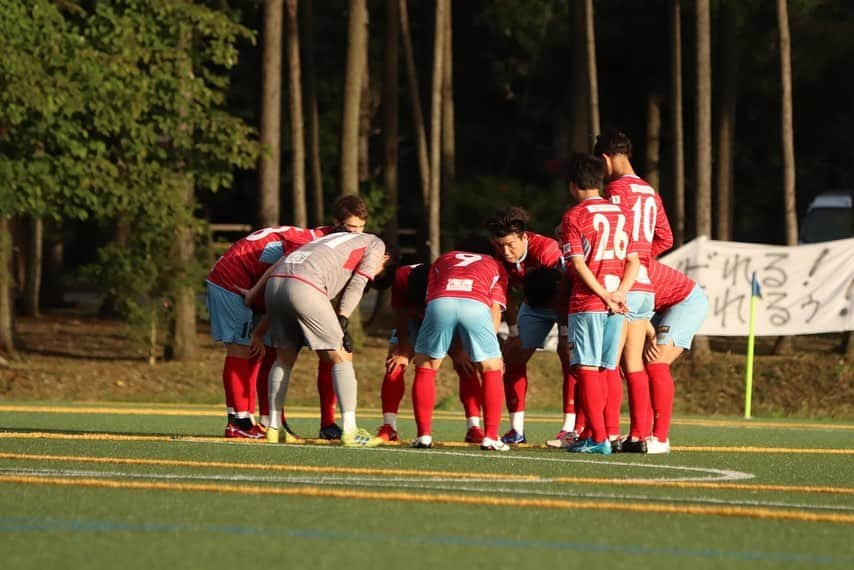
x: 393, y: 389
x: 424, y: 398
x: 515, y: 386
x: 662, y: 390
x: 613, y: 401
x: 593, y: 402
x: 237, y: 377
x: 493, y: 397
x: 264, y: 381
x: 470, y: 394
x: 326, y: 392
x: 639, y: 404
x: 580, y: 416
x: 569, y: 404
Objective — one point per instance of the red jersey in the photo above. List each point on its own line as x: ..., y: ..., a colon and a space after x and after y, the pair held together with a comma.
x: 542, y: 252
x: 595, y: 229
x: 400, y: 292
x: 671, y: 286
x: 468, y: 276
x: 644, y: 206
x: 247, y: 260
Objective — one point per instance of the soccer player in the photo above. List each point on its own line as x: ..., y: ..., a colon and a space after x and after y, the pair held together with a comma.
x: 521, y: 252
x: 408, y: 293
x: 596, y: 246
x: 651, y: 233
x: 680, y: 308
x: 232, y: 320
x: 466, y: 292
x: 299, y: 296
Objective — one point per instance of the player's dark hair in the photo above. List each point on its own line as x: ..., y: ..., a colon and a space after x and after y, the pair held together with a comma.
x: 385, y: 278
x: 416, y: 290
x: 513, y: 220
x: 613, y: 142
x: 586, y: 171
x: 349, y: 205
x: 541, y: 286
x: 474, y: 243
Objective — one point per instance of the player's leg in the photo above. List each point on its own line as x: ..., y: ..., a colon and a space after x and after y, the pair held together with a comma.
x: 434, y: 341
x: 478, y: 336
x: 640, y: 406
x: 675, y: 330
x: 394, y: 385
x: 326, y: 392
x: 471, y: 393
x: 587, y: 334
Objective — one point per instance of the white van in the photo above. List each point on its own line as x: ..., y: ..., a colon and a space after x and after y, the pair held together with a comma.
x: 830, y: 216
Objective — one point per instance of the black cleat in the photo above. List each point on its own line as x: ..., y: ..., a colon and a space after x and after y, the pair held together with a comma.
x: 629, y: 446
x: 616, y: 445
x: 332, y: 431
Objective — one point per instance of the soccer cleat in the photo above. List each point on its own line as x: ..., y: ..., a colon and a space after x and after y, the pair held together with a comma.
x: 360, y: 438
x: 332, y: 431
x: 628, y: 445
x: 273, y: 435
x: 474, y: 435
x: 230, y: 431
x: 513, y: 437
x: 255, y: 432
x: 616, y: 444
x: 563, y: 439
x: 489, y: 444
x: 422, y: 442
x: 276, y: 435
x: 590, y: 446
x: 387, y: 433
x: 290, y: 432
x: 655, y: 446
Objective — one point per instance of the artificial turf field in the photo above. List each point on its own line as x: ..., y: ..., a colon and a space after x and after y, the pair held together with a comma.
x: 153, y: 486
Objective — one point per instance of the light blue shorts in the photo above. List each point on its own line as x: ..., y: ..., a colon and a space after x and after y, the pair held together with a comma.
x: 470, y: 319
x: 535, y: 325
x: 641, y: 305
x: 678, y: 324
x: 232, y: 321
x: 595, y: 339
x: 413, y: 327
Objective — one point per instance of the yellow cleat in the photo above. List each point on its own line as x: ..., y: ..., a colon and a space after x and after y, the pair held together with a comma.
x: 273, y: 435
x: 360, y: 438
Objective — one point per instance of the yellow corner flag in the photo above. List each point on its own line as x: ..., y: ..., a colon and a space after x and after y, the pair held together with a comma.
x: 755, y: 294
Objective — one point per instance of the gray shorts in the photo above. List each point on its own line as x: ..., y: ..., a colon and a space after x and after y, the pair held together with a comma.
x: 300, y: 315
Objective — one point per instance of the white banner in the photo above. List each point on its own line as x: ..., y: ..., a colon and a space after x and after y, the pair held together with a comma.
x: 806, y: 289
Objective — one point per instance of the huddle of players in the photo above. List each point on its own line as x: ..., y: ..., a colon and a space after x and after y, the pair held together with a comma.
x: 603, y: 276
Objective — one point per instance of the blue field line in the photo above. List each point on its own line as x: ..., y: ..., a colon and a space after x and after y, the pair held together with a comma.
x: 14, y: 525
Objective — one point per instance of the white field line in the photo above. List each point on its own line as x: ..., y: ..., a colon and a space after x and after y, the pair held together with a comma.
x: 440, y: 484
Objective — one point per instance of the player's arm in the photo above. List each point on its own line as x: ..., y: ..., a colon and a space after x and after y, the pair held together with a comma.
x: 630, y: 274
x: 495, y: 309
x: 256, y: 342
x: 662, y: 239
x: 368, y: 267
x: 586, y: 276
x: 249, y: 295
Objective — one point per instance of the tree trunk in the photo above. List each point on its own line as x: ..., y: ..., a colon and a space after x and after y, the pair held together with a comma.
x: 436, y: 130
x: 391, y: 120
x: 33, y: 279
x: 676, y: 123
x: 357, y: 46
x: 592, y: 75
x: 415, y: 104
x: 784, y: 344
x: 653, y: 140
x: 366, y: 113
x: 726, y: 123
x: 295, y: 93
x: 54, y: 254
x: 703, y: 198
x: 7, y: 337
x: 581, y: 137
x: 848, y: 347
x: 449, y: 167
x: 313, y: 116
x: 271, y: 117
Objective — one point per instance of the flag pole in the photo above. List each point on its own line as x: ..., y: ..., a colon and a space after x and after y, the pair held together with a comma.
x: 755, y: 294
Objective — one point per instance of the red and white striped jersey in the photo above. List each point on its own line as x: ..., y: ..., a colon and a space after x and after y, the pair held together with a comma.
x: 671, y: 286
x: 542, y: 252
x: 643, y: 205
x: 468, y: 276
x: 595, y: 230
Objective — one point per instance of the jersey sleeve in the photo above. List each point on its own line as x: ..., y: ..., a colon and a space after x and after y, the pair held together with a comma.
x: 272, y: 252
x: 663, y: 236
x: 571, y: 238
x: 364, y: 272
x: 399, y: 287
x: 498, y: 294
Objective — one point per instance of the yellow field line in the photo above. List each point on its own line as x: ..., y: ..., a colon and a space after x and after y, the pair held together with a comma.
x: 430, y: 474
x: 443, y: 498
x: 751, y: 449
x: 302, y: 413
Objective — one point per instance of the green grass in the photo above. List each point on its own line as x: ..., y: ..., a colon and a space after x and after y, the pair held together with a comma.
x: 87, y: 526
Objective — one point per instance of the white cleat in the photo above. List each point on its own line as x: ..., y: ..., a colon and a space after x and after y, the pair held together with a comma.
x: 656, y: 447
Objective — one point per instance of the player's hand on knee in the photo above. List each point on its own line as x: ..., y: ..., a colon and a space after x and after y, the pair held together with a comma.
x: 347, y: 340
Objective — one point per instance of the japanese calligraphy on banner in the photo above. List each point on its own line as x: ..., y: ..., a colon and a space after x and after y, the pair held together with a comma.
x: 806, y: 289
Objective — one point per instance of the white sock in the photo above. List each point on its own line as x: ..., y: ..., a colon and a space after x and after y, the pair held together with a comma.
x: 265, y: 421
x: 243, y: 415
x: 390, y: 419
x: 568, y: 422
x: 349, y: 421
x: 472, y: 421
x: 277, y: 389
x: 425, y: 439
x: 517, y: 422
